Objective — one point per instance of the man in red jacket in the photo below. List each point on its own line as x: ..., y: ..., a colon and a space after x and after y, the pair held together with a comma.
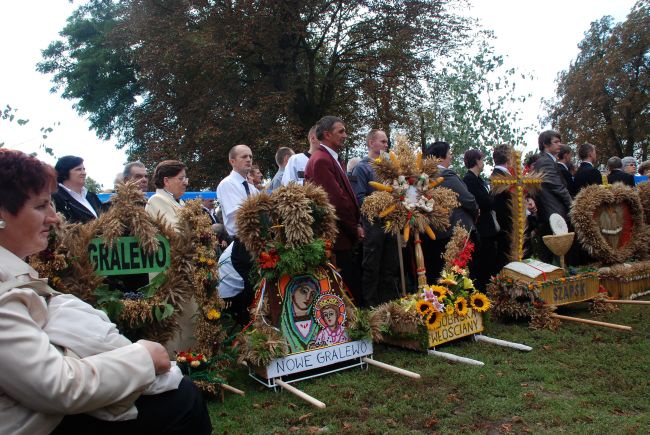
x: 324, y: 169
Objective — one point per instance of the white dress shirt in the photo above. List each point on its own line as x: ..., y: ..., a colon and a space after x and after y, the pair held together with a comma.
x: 81, y: 199
x: 230, y: 282
x: 230, y: 194
x: 295, y: 165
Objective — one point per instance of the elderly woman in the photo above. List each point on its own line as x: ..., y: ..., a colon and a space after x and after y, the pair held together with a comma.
x: 72, y: 199
x: 170, y: 180
x: 44, y: 386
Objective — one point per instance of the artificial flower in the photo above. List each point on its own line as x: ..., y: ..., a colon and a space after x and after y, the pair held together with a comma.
x: 423, y: 307
x: 449, y: 309
x: 433, y: 320
x: 461, y: 306
x: 438, y: 291
x: 268, y: 260
x: 467, y: 283
x: 479, y: 302
x: 213, y: 314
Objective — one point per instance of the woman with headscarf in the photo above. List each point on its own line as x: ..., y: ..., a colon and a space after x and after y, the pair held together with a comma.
x: 45, y: 386
x: 72, y: 199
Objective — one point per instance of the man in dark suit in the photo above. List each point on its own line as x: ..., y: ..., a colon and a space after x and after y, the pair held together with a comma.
x: 324, y: 169
x: 501, y: 158
x: 465, y: 214
x: 484, y: 261
x: 553, y: 196
x: 616, y: 174
x: 563, y: 162
x: 587, y: 173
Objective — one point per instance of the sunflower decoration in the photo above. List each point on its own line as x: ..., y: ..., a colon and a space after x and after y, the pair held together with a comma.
x: 439, y: 291
x: 461, y: 306
x: 423, y: 307
x: 479, y: 302
x: 449, y: 309
x: 433, y: 320
x: 407, y: 198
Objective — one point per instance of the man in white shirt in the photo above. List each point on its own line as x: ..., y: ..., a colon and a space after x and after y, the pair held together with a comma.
x: 295, y: 169
x: 231, y: 192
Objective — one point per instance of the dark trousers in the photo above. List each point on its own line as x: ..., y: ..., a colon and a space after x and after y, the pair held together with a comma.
x: 348, y: 264
x: 502, y: 254
x: 180, y: 411
x: 380, y: 266
x: 243, y: 264
x: 433, y: 251
x: 484, y: 261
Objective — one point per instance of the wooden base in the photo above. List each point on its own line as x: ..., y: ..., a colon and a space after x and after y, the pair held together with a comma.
x: 391, y: 368
x: 591, y: 322
x: 304, y: 396
x: 626, y: 301
x: 456, y: 358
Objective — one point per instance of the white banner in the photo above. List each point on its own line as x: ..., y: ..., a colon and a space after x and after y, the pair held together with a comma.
x: 322, y: 357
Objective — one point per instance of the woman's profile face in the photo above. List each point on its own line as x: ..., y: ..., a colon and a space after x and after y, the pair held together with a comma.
x: 27, y: 232
x: 329, y: 315
x: 177, y: 184
x: 76, y: 176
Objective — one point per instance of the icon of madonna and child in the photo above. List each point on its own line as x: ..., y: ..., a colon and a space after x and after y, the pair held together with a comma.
x: 312, y: 316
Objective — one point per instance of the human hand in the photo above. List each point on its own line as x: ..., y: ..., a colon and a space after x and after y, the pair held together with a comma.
x: 360, y: 232
x: 158, y: 353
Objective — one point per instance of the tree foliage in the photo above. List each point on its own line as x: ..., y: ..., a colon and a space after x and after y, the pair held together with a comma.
x: 603, y: 97
x: 190, y: 78
x: 473, y: 102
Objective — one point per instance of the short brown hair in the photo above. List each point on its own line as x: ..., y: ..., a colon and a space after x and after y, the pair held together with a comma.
x: 471, y: 158
x: 22, y: 176
x: 282, y: 154
x: 584, y: 150
x: 501, y: 154
x: 166, y: 168
x: 546, y: 137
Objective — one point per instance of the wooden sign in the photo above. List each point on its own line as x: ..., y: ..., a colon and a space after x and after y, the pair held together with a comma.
x: 454, y: 327
x: 126, y: 257
x: 565, y: 291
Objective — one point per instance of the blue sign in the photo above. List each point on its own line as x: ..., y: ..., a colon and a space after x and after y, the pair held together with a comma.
x: 103, y: 197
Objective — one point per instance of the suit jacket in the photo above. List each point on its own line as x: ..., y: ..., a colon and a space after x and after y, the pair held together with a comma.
x: 162, y: 203
x: 618, y: 176
x: 568, y: 180
x: 586, y: 176
x: 476, y: 186
x: 467, y: 210
x: 326, y: 172
x: 39, y: 384
x: 502, y: 206
x: 73, y: 210
x: 553, y: 196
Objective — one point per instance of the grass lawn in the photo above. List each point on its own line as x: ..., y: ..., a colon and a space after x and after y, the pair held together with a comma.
x: 580, y: 379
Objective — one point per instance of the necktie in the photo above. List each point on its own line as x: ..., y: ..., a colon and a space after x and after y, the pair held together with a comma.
x: 248, y: 191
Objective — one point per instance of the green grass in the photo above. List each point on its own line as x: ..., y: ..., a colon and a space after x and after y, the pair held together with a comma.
x: 579, y: 379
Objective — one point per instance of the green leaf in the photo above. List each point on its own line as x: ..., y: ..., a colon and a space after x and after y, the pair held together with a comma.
x: 150, y: 289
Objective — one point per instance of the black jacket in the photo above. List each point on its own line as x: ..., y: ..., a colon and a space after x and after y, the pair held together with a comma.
x: 586, y: 176
x: 554, y: 196
x: 568, y: 180
x: 73, y: 210
x: 477, y: 187
x: 467, y: 210
x: 502, y: 206
x: 618, y: 176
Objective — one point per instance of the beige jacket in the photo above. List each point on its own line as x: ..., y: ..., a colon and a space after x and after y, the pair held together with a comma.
x: 164, y: 204
x: 38, y: 384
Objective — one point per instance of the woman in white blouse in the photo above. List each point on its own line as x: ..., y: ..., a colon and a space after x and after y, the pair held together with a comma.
x: 170, y: 180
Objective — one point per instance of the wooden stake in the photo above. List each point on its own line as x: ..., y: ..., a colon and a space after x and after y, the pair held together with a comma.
x: 504, y: 343
x: 232, y: 389
x: 391, y: 368
x: 304, y: 396
x: 626, y: 301
x: 591, y: 322
x: 456, y: 358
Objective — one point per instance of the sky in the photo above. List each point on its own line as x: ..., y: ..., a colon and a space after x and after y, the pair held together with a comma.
x: 538, y: 37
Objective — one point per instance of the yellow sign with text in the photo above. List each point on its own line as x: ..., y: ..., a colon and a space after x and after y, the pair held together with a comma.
x: 454, y: 327
x: 576, y: 289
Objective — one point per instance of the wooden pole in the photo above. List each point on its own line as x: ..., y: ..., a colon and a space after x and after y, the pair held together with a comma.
x: 232, y: 389
x: 456, y: 358
x: 626, y: 301
x: 504, y: 343
x: 419, y: 261
x: 401, y: 264
x: 304, y: 396
x: 591, y: 322
x: 391, y: 368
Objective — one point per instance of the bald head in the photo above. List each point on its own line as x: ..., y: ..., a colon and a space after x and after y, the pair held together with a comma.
x: 241, y: 159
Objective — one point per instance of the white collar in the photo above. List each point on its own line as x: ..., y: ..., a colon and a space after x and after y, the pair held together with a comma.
x: 331, y: 151
x: 563, y: 164
x: 502, y: 168
x: 14, y: 265
x: 587, y: 161
x: 442, y: 167
x: 83, y: 193
x: 237, y: 176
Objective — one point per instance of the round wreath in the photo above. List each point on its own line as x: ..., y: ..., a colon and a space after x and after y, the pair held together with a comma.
x: 589, y: 233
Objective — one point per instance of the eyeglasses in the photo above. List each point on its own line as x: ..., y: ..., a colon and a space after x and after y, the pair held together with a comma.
x: 181, y: 179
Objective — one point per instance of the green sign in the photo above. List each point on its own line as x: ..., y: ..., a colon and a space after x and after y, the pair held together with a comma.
x: 126, y: 257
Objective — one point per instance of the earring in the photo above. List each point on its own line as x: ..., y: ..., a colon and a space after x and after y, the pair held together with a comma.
x: 3, y: 224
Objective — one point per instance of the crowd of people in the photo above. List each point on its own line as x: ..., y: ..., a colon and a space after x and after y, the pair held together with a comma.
x: 45, y: 389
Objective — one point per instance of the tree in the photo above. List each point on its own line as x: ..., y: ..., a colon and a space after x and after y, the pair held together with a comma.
x: 189, y: 79
x: 9, y: 114
x: 603, y: 97
x: 472, y: 102
x: 92, y: 185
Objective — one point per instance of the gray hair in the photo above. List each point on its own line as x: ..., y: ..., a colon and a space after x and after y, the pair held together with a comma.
x: 126, y: 174
x: 326, y: 123
x: 628, y: 161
